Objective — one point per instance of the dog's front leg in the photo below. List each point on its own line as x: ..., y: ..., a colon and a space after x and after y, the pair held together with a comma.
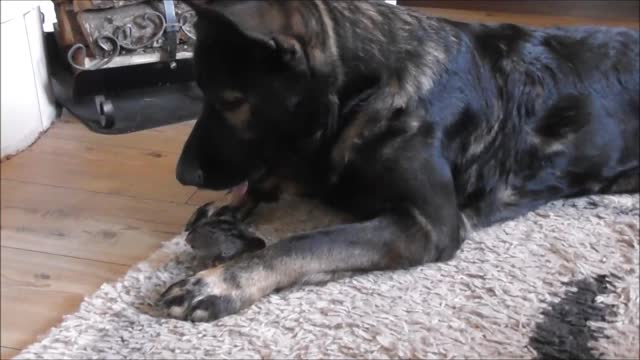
x: 419, y: 230
x: 383, y: 243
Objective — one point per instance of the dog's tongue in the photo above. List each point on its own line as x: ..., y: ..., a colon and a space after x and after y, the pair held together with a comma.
x: 238, y: 192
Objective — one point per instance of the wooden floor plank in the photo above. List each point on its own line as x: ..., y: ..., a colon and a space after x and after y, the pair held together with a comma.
x: 86, y: 225
x: 145, y: 174
x: 37, y: 289
x: 491, y: 17
x: 167, y: 139
x: 201, y: 197
x: 7, y: 353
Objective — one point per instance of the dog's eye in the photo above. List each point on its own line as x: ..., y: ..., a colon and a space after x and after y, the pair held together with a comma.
x: 231, y: 100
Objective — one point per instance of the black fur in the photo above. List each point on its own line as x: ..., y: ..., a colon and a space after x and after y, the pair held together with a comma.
x: 415, y: 125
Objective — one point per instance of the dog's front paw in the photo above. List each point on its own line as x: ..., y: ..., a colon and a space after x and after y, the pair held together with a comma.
x: 205, y: 296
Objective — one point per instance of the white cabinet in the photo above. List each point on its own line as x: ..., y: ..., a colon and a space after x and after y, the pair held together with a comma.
x: 27, y: 103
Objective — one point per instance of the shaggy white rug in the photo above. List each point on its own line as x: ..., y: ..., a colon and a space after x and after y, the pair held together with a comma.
x: 559, y: 282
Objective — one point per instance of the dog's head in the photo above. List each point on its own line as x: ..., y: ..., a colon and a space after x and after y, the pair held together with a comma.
x: 267, y: 87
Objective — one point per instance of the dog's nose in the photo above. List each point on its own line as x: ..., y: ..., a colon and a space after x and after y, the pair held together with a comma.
x: 190, y: 177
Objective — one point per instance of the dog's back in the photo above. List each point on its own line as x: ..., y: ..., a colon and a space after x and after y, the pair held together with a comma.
x: 550, y: 113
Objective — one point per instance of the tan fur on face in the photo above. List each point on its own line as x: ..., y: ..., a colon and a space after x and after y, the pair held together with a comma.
x: 239, y: 117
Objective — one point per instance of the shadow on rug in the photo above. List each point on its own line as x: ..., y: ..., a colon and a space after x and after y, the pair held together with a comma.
x: 561, y: 282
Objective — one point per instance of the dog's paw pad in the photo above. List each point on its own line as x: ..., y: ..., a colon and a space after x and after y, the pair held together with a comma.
x: 211, y: 307
x: 202, y: 297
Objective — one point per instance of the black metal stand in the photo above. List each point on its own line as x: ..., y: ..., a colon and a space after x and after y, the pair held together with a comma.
x: 125, y: 99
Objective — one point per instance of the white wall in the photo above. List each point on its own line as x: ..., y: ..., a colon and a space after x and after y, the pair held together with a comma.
x: 27, y: 104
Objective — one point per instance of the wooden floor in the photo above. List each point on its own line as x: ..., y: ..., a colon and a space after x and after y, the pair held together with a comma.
x: 79, y: 208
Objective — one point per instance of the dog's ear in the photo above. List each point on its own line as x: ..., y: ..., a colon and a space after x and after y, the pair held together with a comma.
x: 254, y: 23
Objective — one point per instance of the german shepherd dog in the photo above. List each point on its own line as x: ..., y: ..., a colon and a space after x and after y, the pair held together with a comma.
x: 419, y: 127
